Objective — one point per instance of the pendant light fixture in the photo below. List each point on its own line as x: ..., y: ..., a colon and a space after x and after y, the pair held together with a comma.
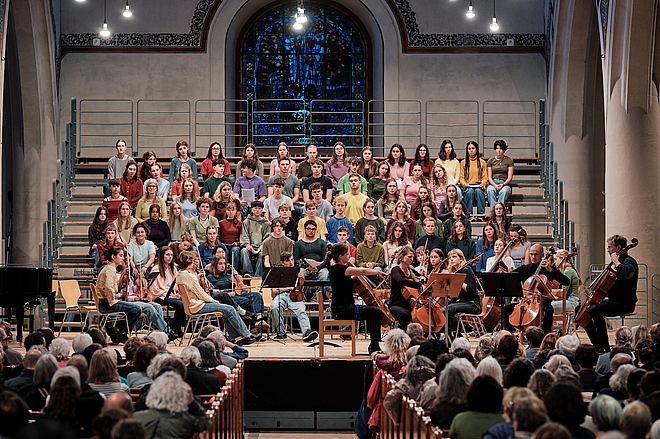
x: 470, y: 11
x: 494, y: 26
x: 105, y: 32
x: 127, y: 11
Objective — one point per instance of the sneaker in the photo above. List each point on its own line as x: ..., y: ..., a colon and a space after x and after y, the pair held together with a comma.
x: 310, y: 335
x: 247, y: 276
x: 172, y: 336
x: 280, y: 337
x: 247, y: 340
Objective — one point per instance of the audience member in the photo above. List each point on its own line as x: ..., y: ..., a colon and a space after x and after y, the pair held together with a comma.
x: 622, y: 337
x: 512, y: 397
x: 141, y: 360
x: 565, y: 405
x: 517, y: 373
x: 605, y: 413
x: 418, y: 372
x: 119, y: 400
x: 200, y: 382
x: 14, y: 414
x: 451, y: 391
x: 24, y: 383
x: 103, y: 376
x: 393, y: 357
x: 43, y: 374
x: 484, y: 404
x: 635, y: 420
x: 128, y: 429
x: 586, y: 355
x: 490, y: 367
x: 540, y: 381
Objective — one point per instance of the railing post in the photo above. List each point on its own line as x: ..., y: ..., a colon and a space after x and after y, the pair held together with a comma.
x: 74, y: 126
x: 541, y: 126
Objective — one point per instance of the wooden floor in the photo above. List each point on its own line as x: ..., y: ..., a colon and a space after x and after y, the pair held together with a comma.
x: 295, y: 348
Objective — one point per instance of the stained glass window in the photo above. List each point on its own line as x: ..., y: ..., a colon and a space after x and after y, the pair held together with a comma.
x: 305, y: 86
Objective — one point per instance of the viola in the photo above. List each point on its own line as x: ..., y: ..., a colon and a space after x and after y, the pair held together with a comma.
x: 528, y: 311
x: 599, y: 288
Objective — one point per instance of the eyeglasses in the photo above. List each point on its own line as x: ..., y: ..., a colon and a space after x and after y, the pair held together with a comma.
x: 310, y: 228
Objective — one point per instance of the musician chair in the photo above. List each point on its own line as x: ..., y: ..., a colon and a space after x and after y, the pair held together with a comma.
x: 327, y: 323
x: 70, y: 290
x: 474, y: 320
x: 623, y: 317
x: 563, y: 317
x: 115, y: 316
x: 195, y: 318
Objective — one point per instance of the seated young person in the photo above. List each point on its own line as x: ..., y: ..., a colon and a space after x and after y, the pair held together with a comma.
x: 249, y: 180
x: 161, y: 286
x: 290, y: 226
x: 281, y: 301
x: 457, y: 214
x: 197, y: 226
x: 276, y: 198
x: 459, y: 239
x: 291, y: 185
x: 229, y: 234
x: 183, y: 174
x: 310, y: 208
x: 468, y: 300
x: 427, y: 211
x: 276, y: 244
x: 111, y: 240
x: 355, y: 199
x: 114, y: 200
x: 353, y: 166
x: 370, y: 219
x: 159, y: 230
x: 200, y: 302
x: 430, y: 240
x: 309, y: 247
x: 131, y: 185
x: 317, y: 177
x: 339, y: 220
x: 342, y: 238
x: 211, y: 184
x: 207, y: 248
x: 370, y: 253
x: 220, y: 277
x: 254, y: 232
x: 323, y: 207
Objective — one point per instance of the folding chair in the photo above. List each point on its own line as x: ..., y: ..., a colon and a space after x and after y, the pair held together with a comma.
x: 70, y: 290
x: 116, y: 316
x: 195, y: 317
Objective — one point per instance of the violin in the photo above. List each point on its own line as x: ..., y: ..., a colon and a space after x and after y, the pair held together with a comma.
x: 599, y: 288
x: 237, y: 282
x: 528, y: 311
x: 122, y: 284
x: 201, y: 276
x: 297, y: 294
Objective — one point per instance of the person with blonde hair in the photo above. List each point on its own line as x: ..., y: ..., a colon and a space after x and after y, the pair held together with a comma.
x: 184, y: 173
x: 125, y: 223
x: 103, y: 375
x: 151, y: 196
x: 402, y: 214
x: 392, y: 359
x: 176, y: 220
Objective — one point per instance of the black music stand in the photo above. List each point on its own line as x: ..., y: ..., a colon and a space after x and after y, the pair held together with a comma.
x: 501, y: 285
x: 280, y: 277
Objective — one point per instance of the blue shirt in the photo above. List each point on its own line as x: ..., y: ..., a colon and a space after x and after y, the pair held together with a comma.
x: 481, y: 265
x: 207, y: 255
x: 333, y: 225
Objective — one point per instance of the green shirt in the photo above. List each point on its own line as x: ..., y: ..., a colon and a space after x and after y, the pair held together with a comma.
x: 200, y: 229
x: 471, y: 425
x: 212, y: 183
x: 290, y: 183
x: 574, y: 285
x: 375, y: 255
x: 381, y: 234
x: 500, y: 168
x: 376, y: 187
x: 343, y: 185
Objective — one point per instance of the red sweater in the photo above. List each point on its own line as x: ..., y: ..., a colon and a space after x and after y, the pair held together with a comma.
x: 104, y: 247
x: 132, y: 190
x: 113, y: 208
x: 228, y: 232
x: 207, y: 168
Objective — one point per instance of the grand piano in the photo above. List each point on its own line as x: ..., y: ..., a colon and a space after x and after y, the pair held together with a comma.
x: 23, y: 285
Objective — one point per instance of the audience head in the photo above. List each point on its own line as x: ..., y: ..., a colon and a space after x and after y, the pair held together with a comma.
x: 518, y: 373
x: 507, y: 347
x: 443, y: 361
x: 567, y: 345
x: 650, y: 383
x: 605, y: 412
x: 79, y: 362
x: 529, y: 414
x: 414, y: 330
x: 464, y: 353
x: 511, y: 397
x: 565, y: 405
x: 534, y: 336
x: 540, y: 381
x: 166, y: 362
x: 653, y: 401
x: 59, y: 348
x: 484, y: 395
x: 128, y: 429
x: 490, y: 367
x: 416, y: 341
x: 432, y: 349
x: 168, y: 393
x: 567, y: 374
x: 654, y: 333
x: 31, y: 358
x: 395, y: 346
x: 623, y: 336
x: 548, y: 343
x: 455, y: 381
x: 634, y: 383
x: 206, y: 330
x: 552, y: 430
x: 87, y: 406
x: 34, y: 339
x: 619, y: 380
x: 555, y: 361
x: 639, y: 332
x: 461, y: 342
x: 45, y: 369
x: 485, y: 347
x: 191, y: 357
x: 160, y: 338
x: 219, y: 337
x: 143, y: 357
x: 131, y: 346
x: 411, y: 352
x: 63, y: 393
x: 48, y: 334
x: 103, y: 367
x: 645, y: 349
x: 106, y: 421
x: 208, y: 353
x: 119, y: 400
x: 635, y: 420
x: 419, y: 370
x: 14, y: 414
x: 619, y: 360
x: 80, y: 342
x: 587, y: 356
x: 98, y: 335
x: 655, y: 430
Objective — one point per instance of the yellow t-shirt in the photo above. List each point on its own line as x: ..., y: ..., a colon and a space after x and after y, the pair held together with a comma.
x: 321, y: 230
x: 355, y: 206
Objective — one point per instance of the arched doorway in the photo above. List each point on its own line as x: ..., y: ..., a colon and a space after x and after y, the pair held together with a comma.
x: 288, y: 73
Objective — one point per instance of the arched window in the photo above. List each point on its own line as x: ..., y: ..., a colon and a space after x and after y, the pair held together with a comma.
x: 284, y: 70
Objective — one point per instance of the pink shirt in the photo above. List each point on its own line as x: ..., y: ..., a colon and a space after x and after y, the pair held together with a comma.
x: 276, y: 167
x: 410, y: 189
x: 399, y: 172
x: 439, y: 195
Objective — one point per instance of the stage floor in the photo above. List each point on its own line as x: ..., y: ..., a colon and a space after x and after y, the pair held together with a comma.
x: 295, y: 348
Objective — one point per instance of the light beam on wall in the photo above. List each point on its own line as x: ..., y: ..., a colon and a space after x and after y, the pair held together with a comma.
x: 300, y: 17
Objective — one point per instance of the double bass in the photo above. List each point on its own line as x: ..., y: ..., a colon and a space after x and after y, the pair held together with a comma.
x: 599, y: 288
x: 528, y: 311
x: 366, y: 289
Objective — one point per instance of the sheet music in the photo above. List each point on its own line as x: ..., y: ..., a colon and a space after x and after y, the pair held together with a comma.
x: 247, y: 195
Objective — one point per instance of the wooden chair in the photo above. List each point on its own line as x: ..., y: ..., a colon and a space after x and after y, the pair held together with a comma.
x: 560, y: 294
x: 116, y: 316
x: 323, y: 323
x: 190, y: 317
x: 70, y: 290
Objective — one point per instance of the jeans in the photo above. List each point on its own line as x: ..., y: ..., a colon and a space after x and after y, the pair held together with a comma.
x: 154, y: 313
x: 233, y: 323
x: 571, y: 304
x: 252, y: 302
x: 179, y: 318
x: 469, y: 196
x: 322, y: 275
x: 96, y: 257
x: 460, y: 307
x: 235, y: 255
x: 494, y: 196
x: 281, y: 302
x: 246, y: 259
x: 133, y: 311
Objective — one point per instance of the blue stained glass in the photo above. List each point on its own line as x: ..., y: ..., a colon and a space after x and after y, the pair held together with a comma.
x: 323, y: 62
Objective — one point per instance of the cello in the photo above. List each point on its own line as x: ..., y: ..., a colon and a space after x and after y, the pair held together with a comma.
x: 528, y: 311
x: 366, y: 289
x: 599, y: 288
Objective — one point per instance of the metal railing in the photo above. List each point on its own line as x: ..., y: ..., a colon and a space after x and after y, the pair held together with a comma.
x: 394, y: 121
x: 322, y: 128
x: 220, y: 120
x: 103, y: 122
x: 655, y: 303
x: 279, y: 120
x: 513, y: 121
x: 455, y: 120
x: 161, y: 123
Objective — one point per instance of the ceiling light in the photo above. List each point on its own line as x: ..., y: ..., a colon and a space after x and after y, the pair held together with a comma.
x: 300, y: 16
x: 105, y: 32
x: 297, y: 25
x: 494, y: 26
x: 470, y: 11
x: 127, y: 12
